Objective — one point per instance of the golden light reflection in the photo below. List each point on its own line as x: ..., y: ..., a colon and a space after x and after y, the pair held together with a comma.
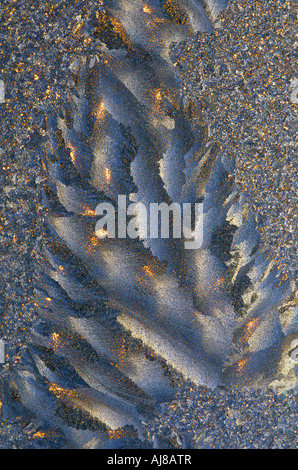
x: 55, y: 341
x: 88, y: 212
x: 39, y: 435
x: 218, y: 284
x: 154, y: 268
x: 157, y: 101
x: 60, y: 392
x: 120, y: 433
x: 107, y: 175
x: 101, y: 111
x: 152, y: 23
x: 158, y: 97
x: 105, y: 23
x: 147, y: 9
x: 251, y: 327
x: 72, y: 152
x: 241, y: 364
x: 151, y: 273
x: 149, y: 270
x: 55, y: 337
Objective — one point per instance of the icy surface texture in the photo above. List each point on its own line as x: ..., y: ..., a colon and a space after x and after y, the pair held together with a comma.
x: 124, y: 323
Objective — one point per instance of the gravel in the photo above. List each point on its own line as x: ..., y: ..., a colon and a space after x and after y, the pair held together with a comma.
x: 228, y: 419
x: 243, y: 77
